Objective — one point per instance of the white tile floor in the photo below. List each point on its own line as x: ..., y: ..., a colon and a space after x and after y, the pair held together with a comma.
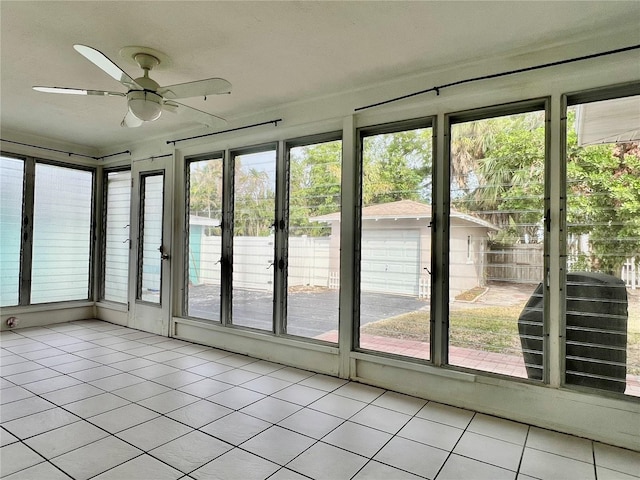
x: 90, y: 399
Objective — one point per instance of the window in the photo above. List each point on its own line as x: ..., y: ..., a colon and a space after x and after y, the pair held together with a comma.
x: 395, y: 244
x: 204, y: 237
x: 117, y: 233
x: 62, y: 214
x: 253, y: 237
x: 151, y: 201
x: 603, y: 243
x: 496, y: 241
x: 313, y: 262
x: 11, y: 194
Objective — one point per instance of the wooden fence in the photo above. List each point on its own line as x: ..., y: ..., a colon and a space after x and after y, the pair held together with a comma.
x: 515, y: 263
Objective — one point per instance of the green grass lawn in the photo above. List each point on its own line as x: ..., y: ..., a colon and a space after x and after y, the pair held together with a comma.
x: 491, y: 328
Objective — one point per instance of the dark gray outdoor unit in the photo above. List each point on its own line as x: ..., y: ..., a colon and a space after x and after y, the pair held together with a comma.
x: 596, y: 343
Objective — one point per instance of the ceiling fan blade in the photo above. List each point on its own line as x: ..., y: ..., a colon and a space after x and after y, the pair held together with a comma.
x: 131, y: 121
x: 193, y: 114
x: 100, y: 60
x: 200, y: 88
x: 170, y: 107
x: 78, y: 91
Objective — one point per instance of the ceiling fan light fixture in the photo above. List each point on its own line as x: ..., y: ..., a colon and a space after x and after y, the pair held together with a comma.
x: 145, y: 105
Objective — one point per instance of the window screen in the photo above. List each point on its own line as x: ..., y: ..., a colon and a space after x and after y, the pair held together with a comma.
x: 313, y: 266
x: 496, y: 249
x: 61, y: 234
x: 395, y: 243
x: 603, y: 245
x: 117, y: 232
x: 204, y: 238
x: 11, y: 187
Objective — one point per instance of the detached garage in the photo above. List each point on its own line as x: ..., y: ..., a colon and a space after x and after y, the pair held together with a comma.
x: 391, y: 259
x: 396, y: 247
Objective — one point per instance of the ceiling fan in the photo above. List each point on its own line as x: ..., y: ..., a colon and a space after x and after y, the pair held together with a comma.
x: 145, y: 98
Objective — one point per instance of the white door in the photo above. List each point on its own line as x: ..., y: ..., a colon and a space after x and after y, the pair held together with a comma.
x: 390, y: 261
x: 150, y: 275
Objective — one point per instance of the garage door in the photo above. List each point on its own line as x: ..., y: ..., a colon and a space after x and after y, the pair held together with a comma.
x: 390, y: 261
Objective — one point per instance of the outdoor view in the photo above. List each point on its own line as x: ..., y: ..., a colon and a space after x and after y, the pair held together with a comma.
x: 313, y: 276
x: 603, y: 245
x: 253, y: 239
x: 395, y: 262
x: 496, y: 246
x: 205, y: 238
x: 496, y: 240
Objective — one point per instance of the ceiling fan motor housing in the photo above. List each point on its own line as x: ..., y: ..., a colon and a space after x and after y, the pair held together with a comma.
x: 145, y: 105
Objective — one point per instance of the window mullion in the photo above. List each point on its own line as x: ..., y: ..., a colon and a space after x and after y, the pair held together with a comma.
x: 26, y: 250
x: 226, y: 258
x: 279, y: 287
x: 440, y: 243
x: 554, y: 298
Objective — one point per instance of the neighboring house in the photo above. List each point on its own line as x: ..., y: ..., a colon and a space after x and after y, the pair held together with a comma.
x: 396, y: 247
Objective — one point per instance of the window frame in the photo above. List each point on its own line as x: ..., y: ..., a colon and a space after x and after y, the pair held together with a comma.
x: 485, y: 113
x: 26, y: 241
x: 223, y: 156
x: 598, y: 94
x: 283, y: 226
x: 360, y: 134
x: 26, y: 230
x: 228, y: 234
x: 103, y: 238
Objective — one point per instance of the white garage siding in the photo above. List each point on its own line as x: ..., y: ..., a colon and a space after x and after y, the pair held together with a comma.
x: 390, y: 261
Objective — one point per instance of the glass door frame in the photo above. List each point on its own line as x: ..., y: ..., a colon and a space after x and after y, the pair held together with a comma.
x: 145, y: 315
x: 228, y: 236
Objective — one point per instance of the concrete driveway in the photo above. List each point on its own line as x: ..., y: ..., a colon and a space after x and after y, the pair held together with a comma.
x: 310, y: 313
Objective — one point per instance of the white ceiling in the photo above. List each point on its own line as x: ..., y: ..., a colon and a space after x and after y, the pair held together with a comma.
x: 273, y: 53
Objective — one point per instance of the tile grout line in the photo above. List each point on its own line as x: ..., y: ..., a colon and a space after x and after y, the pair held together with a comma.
x: 524, y: 446
x: 593, y: 454
x: 453, y: 448
x: 239, y: 384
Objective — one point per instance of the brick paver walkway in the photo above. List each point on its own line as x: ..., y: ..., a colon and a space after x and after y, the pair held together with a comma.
x: 499, y: 363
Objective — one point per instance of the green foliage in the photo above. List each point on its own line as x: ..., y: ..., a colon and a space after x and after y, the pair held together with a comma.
x: 314, y: 186
x: 603, y: 196
x: 205, y: 187
x: 397, y: 166
x: 254, y: 202
x: 503, y: 178
x: 497, y: 171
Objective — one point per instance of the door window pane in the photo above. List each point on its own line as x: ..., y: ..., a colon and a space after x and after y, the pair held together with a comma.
x: 205, y: 238
x: 496, y: 244
x: 11, y: 187
x: 313, y: 265
x: 253, y: 239
x: 396, y: 243
x: 117, y: 233
x: 603, y: 245
x: 61, y: 234
x: 150, y: 246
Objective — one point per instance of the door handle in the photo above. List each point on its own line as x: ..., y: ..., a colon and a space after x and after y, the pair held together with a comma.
x: 163, y: 255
